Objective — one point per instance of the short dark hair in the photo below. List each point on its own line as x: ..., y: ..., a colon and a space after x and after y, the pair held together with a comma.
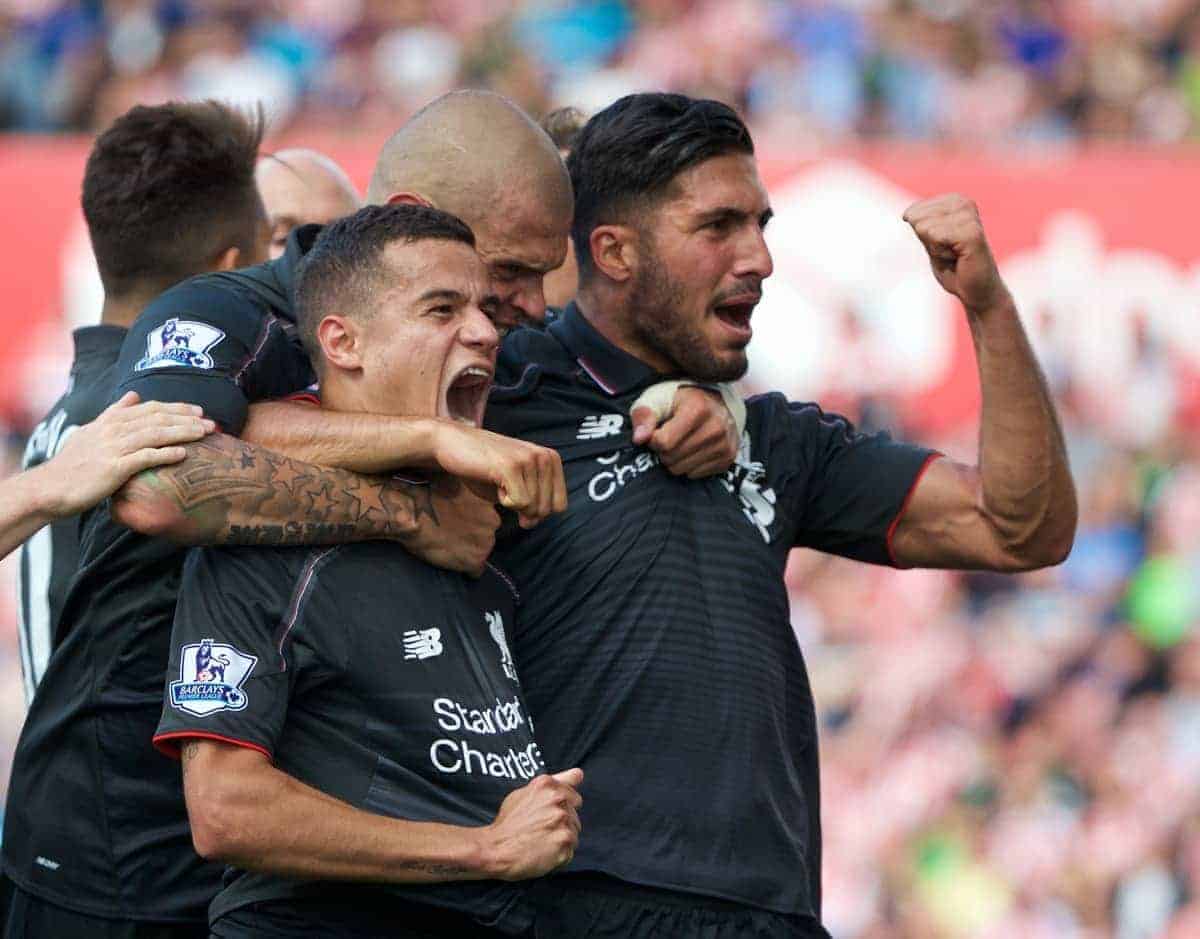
x: 627, y: 155
x: 168, y: 188
x: 563, y: 125
x: 343, y: 268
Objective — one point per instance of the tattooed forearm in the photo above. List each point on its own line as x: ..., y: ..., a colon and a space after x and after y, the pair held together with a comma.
x: 231, y: 492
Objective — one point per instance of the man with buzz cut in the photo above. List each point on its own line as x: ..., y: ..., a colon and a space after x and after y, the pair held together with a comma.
x: 354, y: 740
x: 654, y: 641
x: 302, y: 187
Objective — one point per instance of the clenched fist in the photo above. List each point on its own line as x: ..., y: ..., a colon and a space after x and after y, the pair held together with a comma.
x: 952, y: 233
x: 528, y: 478
x: 536, y: 829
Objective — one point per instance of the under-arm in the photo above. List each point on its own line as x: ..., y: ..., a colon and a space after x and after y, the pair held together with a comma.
x: 1016, y: 510
x: 247, y: 813
x: 364, y: 443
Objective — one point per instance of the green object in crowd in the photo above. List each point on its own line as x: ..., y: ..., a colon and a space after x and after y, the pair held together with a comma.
x: 1162, y: 602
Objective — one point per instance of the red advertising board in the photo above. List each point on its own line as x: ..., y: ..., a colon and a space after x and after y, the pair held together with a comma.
x: 1098, y: 247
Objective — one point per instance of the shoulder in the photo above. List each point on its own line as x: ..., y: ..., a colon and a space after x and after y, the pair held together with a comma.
x: 528, y: 355
x: 775, y: 412
x: 227, y: 301
x: 90, y: 393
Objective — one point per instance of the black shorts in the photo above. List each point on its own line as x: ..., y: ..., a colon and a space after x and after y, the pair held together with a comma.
x: 291, y: 919
x: 28, y: 917
x: 594, y: 906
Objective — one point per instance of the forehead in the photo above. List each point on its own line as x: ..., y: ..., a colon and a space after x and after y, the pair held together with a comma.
x: 414, y: 267
x: 727, y: 181
x: 521, y: 230
x: 302, y: 196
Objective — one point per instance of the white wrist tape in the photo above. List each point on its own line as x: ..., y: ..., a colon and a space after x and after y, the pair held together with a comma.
x: 660, y: 399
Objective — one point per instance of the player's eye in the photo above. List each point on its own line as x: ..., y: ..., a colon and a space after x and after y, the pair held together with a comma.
x: 507, y: 272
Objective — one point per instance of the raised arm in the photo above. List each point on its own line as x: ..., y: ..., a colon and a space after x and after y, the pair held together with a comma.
x: 1015, y: 510
x: 247, y: 813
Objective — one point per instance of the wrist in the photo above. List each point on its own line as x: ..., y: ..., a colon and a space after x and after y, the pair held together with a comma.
x: 1000, y: 302
x: 492, y: 864
x: 41, y: 490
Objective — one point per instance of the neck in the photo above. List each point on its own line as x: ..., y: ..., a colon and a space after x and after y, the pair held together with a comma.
x: 123, y: 310
x: 611, y: 314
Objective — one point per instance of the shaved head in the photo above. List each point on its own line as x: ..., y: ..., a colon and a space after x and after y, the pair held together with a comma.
x: 477, y: 155
x: 299, y: 187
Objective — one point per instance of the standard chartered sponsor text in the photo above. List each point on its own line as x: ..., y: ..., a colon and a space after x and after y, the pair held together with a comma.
x: 459, y: 755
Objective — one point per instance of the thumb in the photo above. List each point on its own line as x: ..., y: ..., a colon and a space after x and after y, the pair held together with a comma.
x: 570, y: 777
x: 645, y: 422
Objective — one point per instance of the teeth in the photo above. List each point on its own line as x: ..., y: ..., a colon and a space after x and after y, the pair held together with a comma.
x: 474, y: 370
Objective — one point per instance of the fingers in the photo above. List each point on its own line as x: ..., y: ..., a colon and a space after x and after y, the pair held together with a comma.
x: 163, y: 431
x: 700, y: 440
x: 645, y: 422
x: 126, y: 410
x: 148, y: 458
x: 533, y: 485
x: 687, y: 418
x: 571, y: 777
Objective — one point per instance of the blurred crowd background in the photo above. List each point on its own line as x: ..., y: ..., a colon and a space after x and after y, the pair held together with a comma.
x: 952, y: 70
x: 1002, y: 756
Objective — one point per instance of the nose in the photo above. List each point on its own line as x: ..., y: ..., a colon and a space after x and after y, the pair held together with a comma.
x: 479, y: 332
x: 755, y: 258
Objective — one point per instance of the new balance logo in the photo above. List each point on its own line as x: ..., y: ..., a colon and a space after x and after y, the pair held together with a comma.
x: 600, y: 425
x: 422, y: 643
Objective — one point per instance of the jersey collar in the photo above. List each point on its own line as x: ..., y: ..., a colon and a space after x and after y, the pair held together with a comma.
x: 613, y: 369
x: 298, y: 244
x: 101, y: 339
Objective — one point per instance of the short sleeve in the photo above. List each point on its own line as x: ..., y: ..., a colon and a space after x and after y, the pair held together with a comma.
x: 853, y: 487
x: 193, y: 344
x: 227, y: 678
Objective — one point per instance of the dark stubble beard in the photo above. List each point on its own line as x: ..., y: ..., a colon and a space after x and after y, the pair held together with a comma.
x: 656, y: 321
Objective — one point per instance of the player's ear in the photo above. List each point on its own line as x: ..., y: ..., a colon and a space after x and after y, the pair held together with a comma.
x: 614, y: 251
x: 341, y: 342
x: 228, y: 259
x: 409, y: 198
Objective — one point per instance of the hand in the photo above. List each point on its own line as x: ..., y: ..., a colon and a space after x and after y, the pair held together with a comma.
x: 699, y: 437
x: 952, y: 233
x: 536, y: 829
x: 125, y: 439
x: 462, y: 532
x: 528, y: 478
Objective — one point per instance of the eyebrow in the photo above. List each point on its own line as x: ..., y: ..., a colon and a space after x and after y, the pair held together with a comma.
x: 520, y: 265
x: 730, y: 212
x: 442, y: 293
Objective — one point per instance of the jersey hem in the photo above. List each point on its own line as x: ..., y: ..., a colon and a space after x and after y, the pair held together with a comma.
x: 685, y: 889
x: 164, y: 743
x: 891, y: 553
x: 103, y: 912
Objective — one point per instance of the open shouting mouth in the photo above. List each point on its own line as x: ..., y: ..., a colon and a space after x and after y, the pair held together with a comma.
x: 466, y: 396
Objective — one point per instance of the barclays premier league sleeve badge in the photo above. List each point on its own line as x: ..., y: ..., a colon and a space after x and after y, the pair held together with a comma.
x: 210, y: 678
x: 180, y: 343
